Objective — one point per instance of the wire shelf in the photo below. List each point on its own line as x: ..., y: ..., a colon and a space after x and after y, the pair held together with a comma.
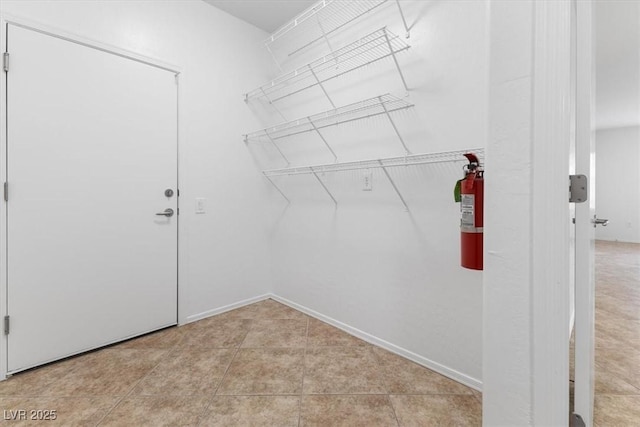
x: 367, y: 50
x: 372, y: 107
x: 389, y: 162
x: 319, y: 22
x: 411, y: 160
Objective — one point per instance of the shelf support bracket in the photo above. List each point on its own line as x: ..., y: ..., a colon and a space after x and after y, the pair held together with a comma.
x: 335, y: 158
x: 272, y: 104
x: 273, y: 56
x: 324, y: 186
x: 393, y: 54
x: 322, y: 86
x: 326, y: 39
x: 404, y: 21
x: 384, y: 107
x: 276, y: 187
x: 393, y: 184
x: 277, y: 148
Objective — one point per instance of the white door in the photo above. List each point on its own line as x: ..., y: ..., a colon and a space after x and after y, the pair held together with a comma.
x: 585, y: 215
x: 91, y: 149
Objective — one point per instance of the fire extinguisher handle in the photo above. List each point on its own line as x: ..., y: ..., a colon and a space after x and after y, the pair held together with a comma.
x: 472, y: 158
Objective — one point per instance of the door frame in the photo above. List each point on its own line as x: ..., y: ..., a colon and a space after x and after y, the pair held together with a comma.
x: 551, y: 215
x: 526, y: 279
x: 7, y: 19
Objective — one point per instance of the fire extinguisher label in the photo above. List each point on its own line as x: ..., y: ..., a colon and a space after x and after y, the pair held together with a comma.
x: 467, y: 208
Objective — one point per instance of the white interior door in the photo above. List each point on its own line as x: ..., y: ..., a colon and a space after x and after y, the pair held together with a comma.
x: 91, y: 149
x: 585, y: 215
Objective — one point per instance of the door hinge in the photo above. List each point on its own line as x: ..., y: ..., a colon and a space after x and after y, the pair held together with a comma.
x: 6, y: 325
x: 578, y: 188
x: 6, y: 191
x: 5, y: 62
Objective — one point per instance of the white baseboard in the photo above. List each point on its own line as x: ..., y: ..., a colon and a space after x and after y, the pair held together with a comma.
x: 220, y: 310
x: 427, y: 363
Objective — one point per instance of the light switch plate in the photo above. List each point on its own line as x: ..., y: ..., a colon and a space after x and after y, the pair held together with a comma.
x: 367, y: 180
x: 201, y: 205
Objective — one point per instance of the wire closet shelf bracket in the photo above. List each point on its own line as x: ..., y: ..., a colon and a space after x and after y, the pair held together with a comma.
x: 384, y: 164
x: 368, y: 108
x: 319, y: 22
x: 369, y: 49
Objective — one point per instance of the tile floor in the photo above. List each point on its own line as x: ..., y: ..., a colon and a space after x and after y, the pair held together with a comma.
x: 269, y: 365
x: 261, y: 365
x: 617, y: 353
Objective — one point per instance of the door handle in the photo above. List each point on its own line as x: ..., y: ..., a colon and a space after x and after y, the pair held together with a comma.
x: 167, y: 212
x: 599, y: 221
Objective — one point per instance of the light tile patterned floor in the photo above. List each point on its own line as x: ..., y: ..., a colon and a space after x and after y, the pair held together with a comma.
x: 269, y: 365
x: 617, y: 388
x: 261, y: 365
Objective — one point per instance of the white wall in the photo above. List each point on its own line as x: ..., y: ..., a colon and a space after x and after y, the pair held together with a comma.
x: 618, y: 183
x: 391, y: 274
x: 224, y: 255
x: 369, y: 264
x: 617, y: 45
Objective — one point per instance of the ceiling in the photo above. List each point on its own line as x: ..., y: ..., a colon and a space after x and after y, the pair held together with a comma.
x: 268, y: 15
x: 617, y: 25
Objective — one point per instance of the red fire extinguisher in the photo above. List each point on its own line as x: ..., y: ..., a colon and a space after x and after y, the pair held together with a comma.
x: 470, y: 194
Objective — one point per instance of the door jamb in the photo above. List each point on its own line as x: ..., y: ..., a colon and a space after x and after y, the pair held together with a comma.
x: 179, y: 71
x: 585, y: 280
